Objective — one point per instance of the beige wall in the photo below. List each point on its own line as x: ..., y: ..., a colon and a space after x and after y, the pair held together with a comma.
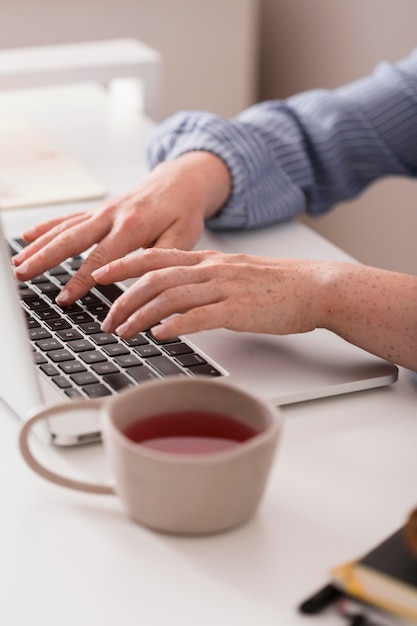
x: 324, y: 43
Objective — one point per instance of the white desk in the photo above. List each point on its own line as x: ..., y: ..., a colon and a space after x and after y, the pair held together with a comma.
x: 345, y: 475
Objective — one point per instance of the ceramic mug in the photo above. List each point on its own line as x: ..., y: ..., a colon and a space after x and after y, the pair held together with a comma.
x: 163, y: 485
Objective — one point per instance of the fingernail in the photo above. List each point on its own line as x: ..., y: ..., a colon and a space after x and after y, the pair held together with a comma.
x: 106, y: 324
x: 158, y: 329
x: 63, y: 297
x: 22, y: 268
x: 100, y: 272
x: 123, y: 328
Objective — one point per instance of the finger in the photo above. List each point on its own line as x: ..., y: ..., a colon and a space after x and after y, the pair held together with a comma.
x: 65, y: 238
x: 50, y: 250
x: 198, y: 319
x: 171, y: 302
x: 38, y: 230
x: 143, y: 261
x: 107, y: 250
x: 52, y: 247
x: 158, y: 286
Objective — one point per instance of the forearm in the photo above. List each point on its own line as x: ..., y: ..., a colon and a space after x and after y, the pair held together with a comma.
x: 372, y: 308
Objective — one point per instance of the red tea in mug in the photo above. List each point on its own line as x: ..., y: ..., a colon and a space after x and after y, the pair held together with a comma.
x: 192, y: 432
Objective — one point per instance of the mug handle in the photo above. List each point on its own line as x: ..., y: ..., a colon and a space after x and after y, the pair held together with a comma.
x: 49, y: 474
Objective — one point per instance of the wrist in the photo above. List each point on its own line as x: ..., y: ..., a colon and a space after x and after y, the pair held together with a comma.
x: 209, y: 176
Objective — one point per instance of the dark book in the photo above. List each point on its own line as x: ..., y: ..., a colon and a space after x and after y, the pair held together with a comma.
x: 385, y: 577
x: 358, y: 612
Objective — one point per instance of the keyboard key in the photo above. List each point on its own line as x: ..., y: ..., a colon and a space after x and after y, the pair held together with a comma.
x: 46, y: 345
x: 58, y: 356
x: 177, y: 348
x: 49, y: 369
x: 205, y: 370
x: 72, y: 367
x: 61, y: 382
x: 39, y: 333
x: 52, y: 295
x: 63, y: 279
x: 48, y: 288
x: 21, y: 243
x: 90, y: 328
x: 102, y: 339
x: 99, y: 310
x: 136, y: 340
x: 160, y: 342
x: 36, y: 304
x: 75, y: 263
x: 80, y: 345
x: 92, y: 357
x: 141, y: 373
x: 69, y: 334
x: 47, y: 314
x: 117, y: 381
x: 80, y: 318
x: 57, y: 271
x: 84, y: 378
x: 97, y: 391
x: 165, y: 367
x: 115, y: 349
x: 90, y: 298
x: 26, y: 293
x: 71, y: 308
x: 39, y: 279
x: 105, y: 367
x: 110, y: 292
x: 190, y: 360
x: 58, y: 324
x: 147, y: 351
x: 39, y: 358
x: 127, y: 360
x: 32, y: 323
x: 72, y: 393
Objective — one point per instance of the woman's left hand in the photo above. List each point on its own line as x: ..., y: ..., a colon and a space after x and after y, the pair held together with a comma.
x: 192, y: 291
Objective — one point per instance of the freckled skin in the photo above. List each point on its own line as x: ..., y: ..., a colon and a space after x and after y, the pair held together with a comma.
x: 192, y: 291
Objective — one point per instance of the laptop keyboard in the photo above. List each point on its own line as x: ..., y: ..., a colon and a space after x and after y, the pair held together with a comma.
x: 70, y: 349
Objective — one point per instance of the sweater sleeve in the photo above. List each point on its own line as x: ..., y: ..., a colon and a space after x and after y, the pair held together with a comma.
x: 307, y: 152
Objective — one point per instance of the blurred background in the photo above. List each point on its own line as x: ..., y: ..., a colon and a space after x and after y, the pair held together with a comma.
x: 224, y: 55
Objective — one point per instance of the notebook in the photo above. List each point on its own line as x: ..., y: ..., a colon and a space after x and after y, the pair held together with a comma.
x: 283, y: 369
x: 34, y: 171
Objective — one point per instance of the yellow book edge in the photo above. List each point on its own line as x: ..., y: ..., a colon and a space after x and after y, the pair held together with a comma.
x: 344, y: 577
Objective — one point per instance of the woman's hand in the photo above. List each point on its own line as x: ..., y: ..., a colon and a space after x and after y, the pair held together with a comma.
x: 191, y: 291
x: 194, y: 291
x: 166, y: 210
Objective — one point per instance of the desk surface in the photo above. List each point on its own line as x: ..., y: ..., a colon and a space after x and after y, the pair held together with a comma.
x: 344, y: 477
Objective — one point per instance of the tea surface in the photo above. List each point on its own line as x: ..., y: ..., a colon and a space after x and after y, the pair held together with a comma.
x: 193, y: 432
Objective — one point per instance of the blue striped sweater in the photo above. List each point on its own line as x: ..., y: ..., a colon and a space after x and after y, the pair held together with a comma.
x: 307, y: 152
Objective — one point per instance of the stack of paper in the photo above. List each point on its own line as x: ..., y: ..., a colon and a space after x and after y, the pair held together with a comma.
x: 33, y: 171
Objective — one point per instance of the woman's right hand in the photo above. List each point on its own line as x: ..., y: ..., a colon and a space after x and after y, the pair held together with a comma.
x: 166, y: 210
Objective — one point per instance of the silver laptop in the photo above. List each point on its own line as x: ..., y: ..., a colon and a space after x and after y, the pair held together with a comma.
x: 283, y: 369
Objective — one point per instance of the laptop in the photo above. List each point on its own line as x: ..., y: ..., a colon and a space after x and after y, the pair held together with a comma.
x: 45, y: 369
